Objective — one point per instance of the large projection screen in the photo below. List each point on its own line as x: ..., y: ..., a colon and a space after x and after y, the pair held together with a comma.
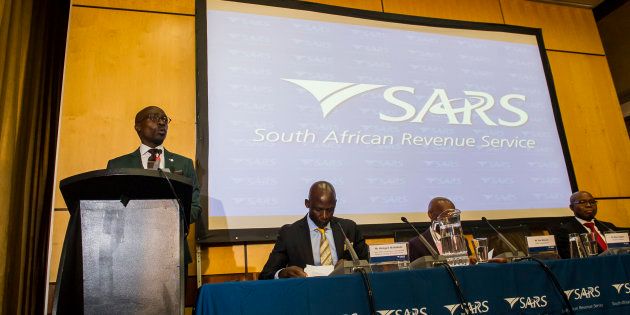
x: 393, y: 110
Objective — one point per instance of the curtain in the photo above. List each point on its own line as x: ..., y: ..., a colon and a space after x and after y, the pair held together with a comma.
x: 32, y: 49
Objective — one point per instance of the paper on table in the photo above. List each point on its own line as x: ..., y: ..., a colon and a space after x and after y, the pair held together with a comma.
x: 318, y: 271
x: 490, y: 253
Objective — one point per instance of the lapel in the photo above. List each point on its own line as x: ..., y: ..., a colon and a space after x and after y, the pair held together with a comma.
x: 427, y: 235
x: 169, y: 161
x: 136, y: 159
x: 304, y: 237
x: 338, y: 236
x: 579, y: 228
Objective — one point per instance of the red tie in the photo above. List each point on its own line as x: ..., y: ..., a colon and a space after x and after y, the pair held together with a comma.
x: 600, y: 240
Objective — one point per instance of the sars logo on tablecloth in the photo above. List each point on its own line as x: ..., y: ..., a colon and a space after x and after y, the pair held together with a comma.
x: 583, y: 293
x: 476, y: 307
x: 404, y: 311
x: 527, y: 302
x: 622, y: 288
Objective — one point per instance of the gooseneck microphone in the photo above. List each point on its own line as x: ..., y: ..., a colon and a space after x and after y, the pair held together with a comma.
x: 424, y: 241
x: 513, y: 249
x: 606, y: 225
x: 358, y: 268
x: 182, y: 214
x: 353, y: 253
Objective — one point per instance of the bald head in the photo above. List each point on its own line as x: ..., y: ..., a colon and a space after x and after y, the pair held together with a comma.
x: 438, y: 205
x: 321, y: 203
x: 151, y: 124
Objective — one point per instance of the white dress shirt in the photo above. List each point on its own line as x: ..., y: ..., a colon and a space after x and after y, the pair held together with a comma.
x: 145, y: 154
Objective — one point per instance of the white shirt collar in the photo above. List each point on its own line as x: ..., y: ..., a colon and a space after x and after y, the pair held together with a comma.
x: 312, y: 226
x: 145, y: 148
x: 583, y: 221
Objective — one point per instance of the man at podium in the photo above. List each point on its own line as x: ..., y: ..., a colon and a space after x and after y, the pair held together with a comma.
x: 151, y: 125
x: 315, y: 239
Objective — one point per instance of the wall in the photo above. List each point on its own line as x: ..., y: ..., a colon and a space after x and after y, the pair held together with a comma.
x: 123, y: 55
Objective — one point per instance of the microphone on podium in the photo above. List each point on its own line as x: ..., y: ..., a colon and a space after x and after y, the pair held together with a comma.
x: 426, y: 261
x: 514, y: 252
x: 347, y: 267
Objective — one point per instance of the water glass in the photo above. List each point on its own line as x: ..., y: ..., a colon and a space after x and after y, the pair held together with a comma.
x: 576, y: 248
x: 481, y: 248
x: 589, y: 241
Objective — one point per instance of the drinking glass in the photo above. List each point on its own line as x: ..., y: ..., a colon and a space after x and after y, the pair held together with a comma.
x: 589, y: 241
x: 481, y: 248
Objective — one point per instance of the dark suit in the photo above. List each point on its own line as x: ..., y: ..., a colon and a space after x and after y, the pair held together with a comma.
x: 175, y: 163
x: 293, y: 245
x: 574, y: 226
x: 417, y: 248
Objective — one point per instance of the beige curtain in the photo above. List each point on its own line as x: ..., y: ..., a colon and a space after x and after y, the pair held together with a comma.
x: 32, y: 49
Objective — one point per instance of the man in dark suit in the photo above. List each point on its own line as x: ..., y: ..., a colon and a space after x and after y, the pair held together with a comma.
x: 315, y: 239
x: 584, y: 206
x: 151, y: 124
x: 417, y: 249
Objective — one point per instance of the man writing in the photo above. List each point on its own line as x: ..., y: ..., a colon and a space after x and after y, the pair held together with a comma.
x: 315, y: 239
x: 151, y: 125
x: 584, y: 207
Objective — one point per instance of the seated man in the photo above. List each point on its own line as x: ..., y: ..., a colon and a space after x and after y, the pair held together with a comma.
x: 315, y: 239
x: 584, y: 206
x: 417, y: 249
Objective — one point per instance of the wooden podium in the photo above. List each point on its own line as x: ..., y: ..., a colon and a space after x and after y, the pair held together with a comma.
x: 123, y: 249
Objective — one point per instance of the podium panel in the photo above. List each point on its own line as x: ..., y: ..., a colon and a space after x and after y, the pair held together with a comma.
x: 131, y: 257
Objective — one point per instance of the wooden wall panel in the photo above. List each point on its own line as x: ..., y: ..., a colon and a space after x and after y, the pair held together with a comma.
x: 616, y: 211
x: 487, y: 11
x: 172, y: 6
x: 221, y: 260
x: 598, y: 141
x: 372, y: 5
x: 117, y: 63
x: 257, y: 256
x: 564, y: 27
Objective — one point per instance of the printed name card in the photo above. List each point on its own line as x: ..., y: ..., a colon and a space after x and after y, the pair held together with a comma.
x: 388, y: 253
x: 541, y: 244
x: 617, y: 240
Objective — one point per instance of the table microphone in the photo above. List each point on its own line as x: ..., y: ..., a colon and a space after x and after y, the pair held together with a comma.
x: 424, y: 241
x: 358, y: 268
x: 353, y: 253
x: 514, y: 251
x: 605, y: 225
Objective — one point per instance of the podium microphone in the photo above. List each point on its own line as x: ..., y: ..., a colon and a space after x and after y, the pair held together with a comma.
x: 514, y: 251
x: 179, y: 202
x: 606, y: 225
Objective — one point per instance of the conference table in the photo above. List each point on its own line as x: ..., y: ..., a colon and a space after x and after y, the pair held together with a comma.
x: 596, y: 285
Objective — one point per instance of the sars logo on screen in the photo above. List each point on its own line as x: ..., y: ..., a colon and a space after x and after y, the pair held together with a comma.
x: 331, y: 94
x: 475, y: 307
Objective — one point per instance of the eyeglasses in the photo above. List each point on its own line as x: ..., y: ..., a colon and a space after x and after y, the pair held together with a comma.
x: 591, y: 202
x: 159, y: 118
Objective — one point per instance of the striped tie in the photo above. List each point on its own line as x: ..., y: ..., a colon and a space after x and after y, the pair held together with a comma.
x: 324, y: 249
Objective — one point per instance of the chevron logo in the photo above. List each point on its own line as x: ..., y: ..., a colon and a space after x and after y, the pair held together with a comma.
x: 511, y: 301
x: 331, y: 94
x: 452, y: 308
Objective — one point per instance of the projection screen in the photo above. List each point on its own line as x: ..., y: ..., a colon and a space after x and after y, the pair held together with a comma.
x: 392, y: 110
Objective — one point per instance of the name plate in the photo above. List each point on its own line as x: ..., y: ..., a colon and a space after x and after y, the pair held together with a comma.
x: 388, y: 253
x: 617, y: 240
x: 541, y: 244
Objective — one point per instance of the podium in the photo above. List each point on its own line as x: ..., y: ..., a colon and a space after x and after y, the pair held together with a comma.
x: 123, y: 249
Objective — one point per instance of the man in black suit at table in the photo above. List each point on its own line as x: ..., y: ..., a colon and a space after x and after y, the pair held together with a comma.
x: 584, y: 206
x: 417, y: 249
x: 315, y: 239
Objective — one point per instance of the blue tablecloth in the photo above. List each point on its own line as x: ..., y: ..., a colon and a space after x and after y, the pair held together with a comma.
x: 598, y: 285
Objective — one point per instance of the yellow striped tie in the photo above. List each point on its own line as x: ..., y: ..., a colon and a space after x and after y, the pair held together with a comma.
x: 324, y: 249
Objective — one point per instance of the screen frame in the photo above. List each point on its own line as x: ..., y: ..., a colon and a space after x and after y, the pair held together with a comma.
x: 206, y: 236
